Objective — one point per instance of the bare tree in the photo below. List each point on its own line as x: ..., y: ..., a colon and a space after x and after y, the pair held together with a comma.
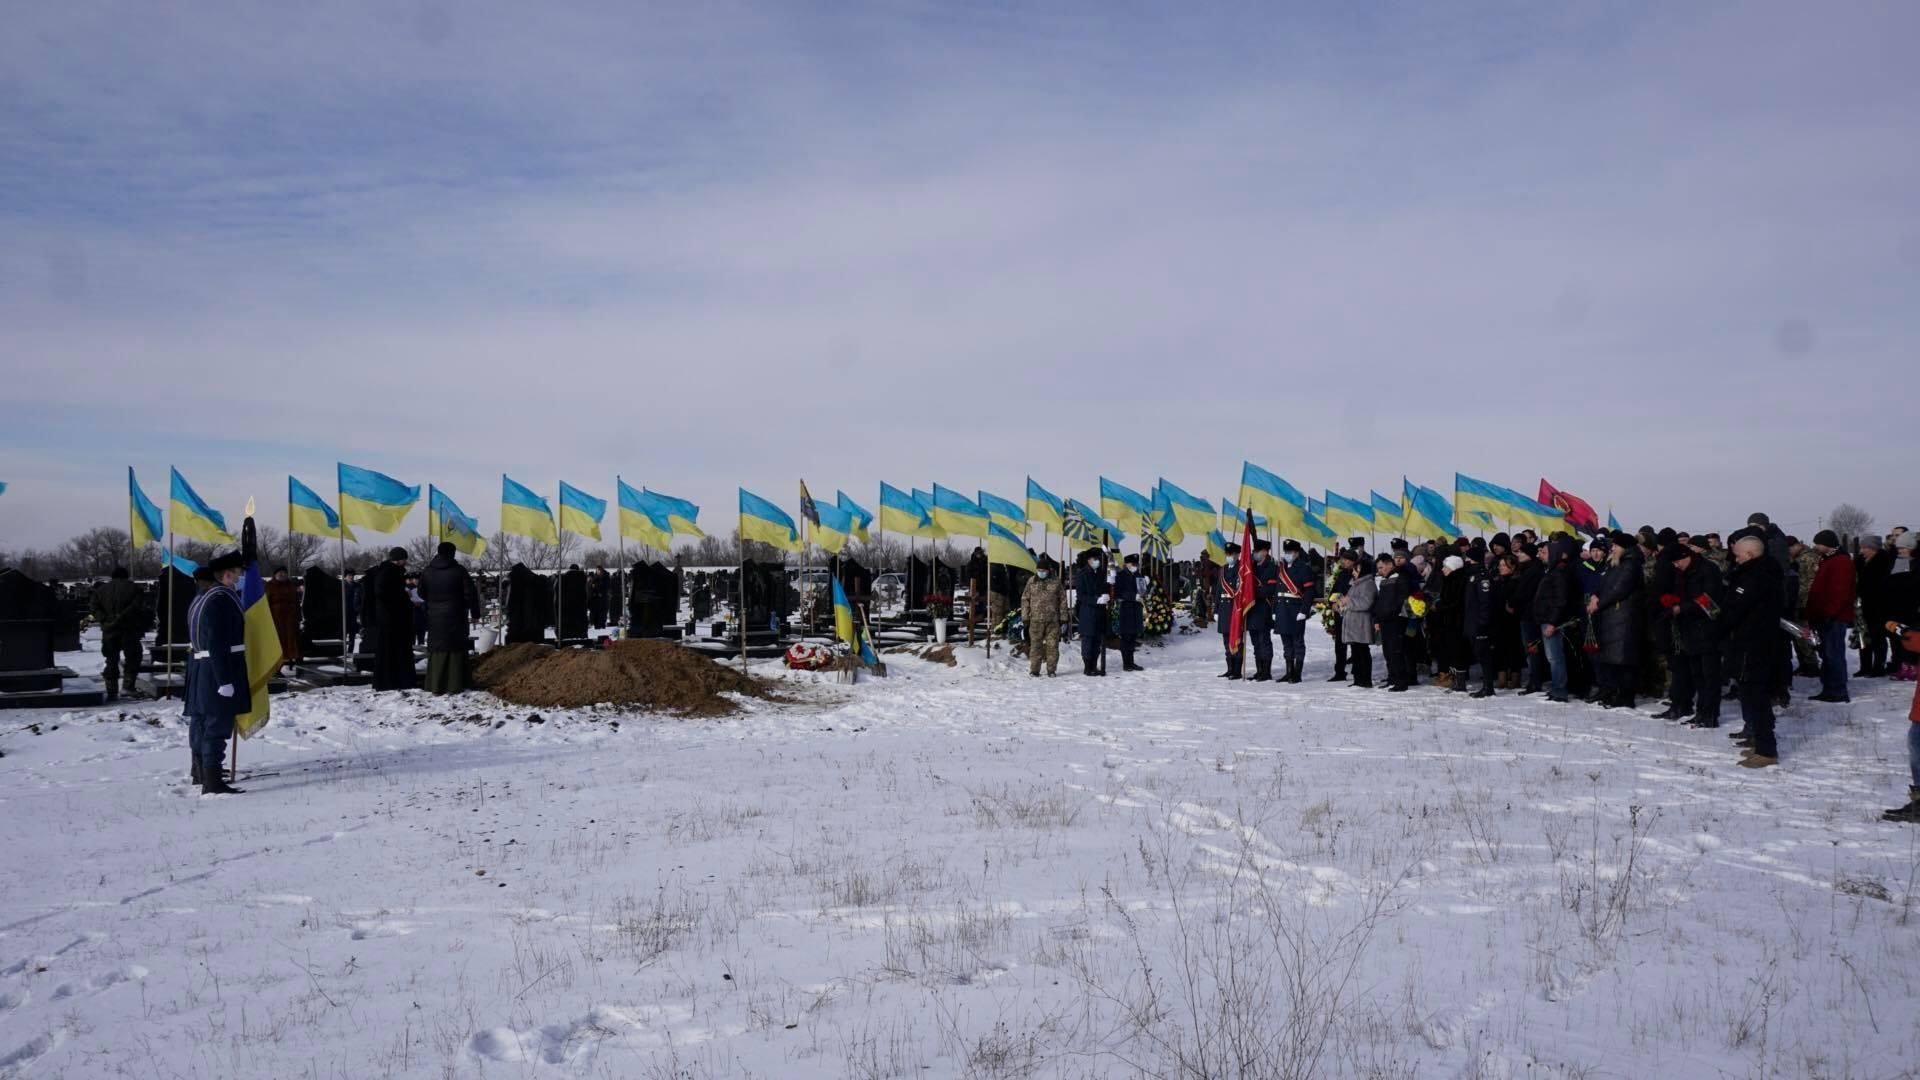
x: 1849, y: 521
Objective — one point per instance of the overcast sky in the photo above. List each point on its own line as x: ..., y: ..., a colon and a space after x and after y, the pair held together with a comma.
x: 1667, y: 255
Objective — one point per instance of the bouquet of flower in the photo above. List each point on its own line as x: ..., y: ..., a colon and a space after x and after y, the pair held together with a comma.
x: 939, y: 605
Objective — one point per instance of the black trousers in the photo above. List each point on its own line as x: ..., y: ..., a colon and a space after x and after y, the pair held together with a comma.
x: 1696, y: 684
x: 1483, y: 655
x: 1340, y: 655
x: 123, y: 659
x: 1361, y: 657
x: 1756, y: 708
x: 1873, y: 649
x: 1393, y: 646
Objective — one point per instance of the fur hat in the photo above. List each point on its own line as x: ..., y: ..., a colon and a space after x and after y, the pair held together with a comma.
x: 1826, y: 538
x: 232, y: 560
x: 1453, y: 562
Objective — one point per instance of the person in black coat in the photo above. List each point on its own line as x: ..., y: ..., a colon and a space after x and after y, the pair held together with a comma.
x: 599, y: 584
x: 1615, y: 612
x: 1337, y: 588
x: 1756, y: 600
x: 1090, y: 600
x: 1299, y: 587
x: 1554, y: 604
x: 390, y: 622
x: 1520, y: 593
x: 1129, y: 592
x: 217, y: 686
x: 1693, y: 610
x: 528, y: 605
x: 453, y: 606
x: 1873, y: 564
x: 1261, y: 616
x: 1226, y: 583
x: 1476, y: 622
x: 1390, y: 621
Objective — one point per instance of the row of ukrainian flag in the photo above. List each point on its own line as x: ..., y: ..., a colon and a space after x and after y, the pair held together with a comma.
x: 1168, y: 514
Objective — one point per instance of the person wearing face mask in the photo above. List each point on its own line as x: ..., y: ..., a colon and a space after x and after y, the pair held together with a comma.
x: 1129, y: 591
x: 1225, y: 584
x: 1043, y: 608
x: 1090, y: 599
x: 1297, y: 589
x: 1260, y: 617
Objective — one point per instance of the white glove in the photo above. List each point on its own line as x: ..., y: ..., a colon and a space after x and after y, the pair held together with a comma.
x: 1303, y: 618
x: 1110, y: 577
x: 226, y: 690
x: 1101, y: 600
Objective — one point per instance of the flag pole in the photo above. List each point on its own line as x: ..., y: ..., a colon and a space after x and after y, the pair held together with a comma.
x: 559, y: 569
x: 987, y: 587
x: 346, y: 642
x: 171, y: 570
x: 740, y: 613
x: 619, y: 621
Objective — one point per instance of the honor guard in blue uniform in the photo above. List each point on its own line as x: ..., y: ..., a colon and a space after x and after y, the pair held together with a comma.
x: 1299, y: 588
x: 1090, y: 600
x: 217, y: 687
x: 1130, y: 592
x: 1224, y: 585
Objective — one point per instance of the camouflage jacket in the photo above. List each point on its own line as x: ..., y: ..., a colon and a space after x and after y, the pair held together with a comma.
x: 1043, y: 603
x: 1807, y: 564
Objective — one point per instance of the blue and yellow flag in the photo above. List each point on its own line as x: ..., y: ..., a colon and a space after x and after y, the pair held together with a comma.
x: 846, y: 626
x: 581, y: 513
x: 309, y: 515
x: 1216, y: 546
x: 1428, y: 514
x: 645, y: 517
x: 1319, y: 532
x: 1268, y: 494
x: 453, y: 525
x: 1232, y: 517
x: 523, y: 513
x: 1003, y: 512
x: 1096, y: 523
x: 1044, y: 508
x: 901, y: 512
x: 681, y: 514
x: 1165, y: 519
x: 1389, y: 516
x: 1194, y: 513
x: 1505, y: 504
x: 832, y: 529
x: 862, y: 519
x: 1121, y: 504
x: 1613, y: 523
x: 143, y: 518
x: 1481, y: 520
x: 193, y: 518
x: 1347, y: 515
x: 933, y: 529
x: 1007, y: 549
x: 178, y: 562
x: 763, y: 521
x: 263, y: 649
x: 956, y: 513
x: 373, y: 499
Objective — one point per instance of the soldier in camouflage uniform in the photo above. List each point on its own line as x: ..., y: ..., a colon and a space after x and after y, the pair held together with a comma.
x: 1806, y: 564
x: 1043, y: 607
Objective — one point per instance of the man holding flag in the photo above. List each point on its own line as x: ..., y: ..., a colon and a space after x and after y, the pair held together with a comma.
x: 218, y: 688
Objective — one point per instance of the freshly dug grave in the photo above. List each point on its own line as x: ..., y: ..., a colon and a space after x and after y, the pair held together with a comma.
x: 654, y: 675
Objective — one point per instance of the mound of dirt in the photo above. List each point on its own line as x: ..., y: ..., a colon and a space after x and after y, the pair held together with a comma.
x: 656, y: 675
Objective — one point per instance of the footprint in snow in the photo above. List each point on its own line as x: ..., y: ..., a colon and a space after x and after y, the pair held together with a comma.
x: 383, y: 928
x: 100, y: 983
x: 13, y: 999
x: 15, y: 1061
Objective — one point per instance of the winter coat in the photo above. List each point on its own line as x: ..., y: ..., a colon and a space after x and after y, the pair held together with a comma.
x: 1832, y: 595
x: 1266, y: 595
x: 217, y: 656
x: 390, y: 626
x: 119, y: 609
x: 1390, y: 597
x: 1554, y: 601
x: 1297, y: 601
x: 1089, y: 614
x: 1617, y: 622
x: 528, y: 604
x: 1478, y: 605
x: 1696, y: 632
x: 1356, y: 623
x: 1524, y: 584
x: 1870, y: 578
x: 453, y: 604
x: 1043, y: 604
x: 1756, y: 600
x: 1225, y: 578
x: 1129, y: 591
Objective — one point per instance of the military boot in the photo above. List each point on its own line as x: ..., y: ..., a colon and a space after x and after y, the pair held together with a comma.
x: 1263, y: 670
x: 1910, y: 813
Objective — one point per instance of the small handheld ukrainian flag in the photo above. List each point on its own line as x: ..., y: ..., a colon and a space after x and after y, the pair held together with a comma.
x: 193, y: 518
x: 143, y: 518
x: 847, y: 628
x: 523, y: 513
x: 644, y: 517
x: 761, y: 520
x: 309, y: 514
x: 374, y: 500
x: 581, y: 513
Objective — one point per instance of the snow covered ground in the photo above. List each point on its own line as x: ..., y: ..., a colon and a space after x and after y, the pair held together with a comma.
x: 963, y: 872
